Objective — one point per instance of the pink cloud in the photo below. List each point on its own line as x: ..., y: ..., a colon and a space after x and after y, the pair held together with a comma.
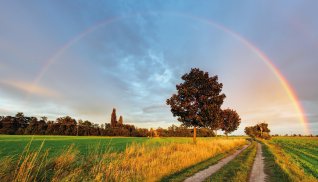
x: 30, y: 88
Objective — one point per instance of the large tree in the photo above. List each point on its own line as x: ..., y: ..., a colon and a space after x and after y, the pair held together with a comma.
x: 198, y: 100
x: 230, y: 121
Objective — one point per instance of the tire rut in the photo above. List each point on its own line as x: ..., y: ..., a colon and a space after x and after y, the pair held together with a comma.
x: 202, y: 175
x: 257, y: 173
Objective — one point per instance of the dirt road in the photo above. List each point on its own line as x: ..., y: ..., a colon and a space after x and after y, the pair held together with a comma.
x: 258, y: 174
x: 202, y: 175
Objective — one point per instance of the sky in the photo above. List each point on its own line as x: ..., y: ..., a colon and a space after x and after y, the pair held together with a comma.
x: 82, y: 58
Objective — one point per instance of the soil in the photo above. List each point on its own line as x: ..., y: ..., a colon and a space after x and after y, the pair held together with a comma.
x: 258, y: 174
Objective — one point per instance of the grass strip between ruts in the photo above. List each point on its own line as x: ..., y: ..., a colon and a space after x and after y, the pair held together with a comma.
x: 239, y: 168
x: 190, y: 171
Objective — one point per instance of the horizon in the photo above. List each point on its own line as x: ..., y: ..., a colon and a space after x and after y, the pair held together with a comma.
x: 91, y: 57
x: 219, y: 131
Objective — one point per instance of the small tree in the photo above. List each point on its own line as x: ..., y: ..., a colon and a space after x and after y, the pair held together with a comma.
x: 121, y: 120
x: 262, y: 128
x: 259, y: 131
x: 230, y: 121
x: 249, y: 130
x: 198, y: 101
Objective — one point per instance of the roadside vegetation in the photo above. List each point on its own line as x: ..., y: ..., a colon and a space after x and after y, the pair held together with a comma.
x: 303, y: 151
x: 272, y: 168
x: 145, y: 161
x: 291, y: 159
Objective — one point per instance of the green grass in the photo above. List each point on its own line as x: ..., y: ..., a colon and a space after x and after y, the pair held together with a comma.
x: 303, y: 151
x: 239, y: 168
x: 14, y: 145
x: 273, y: 171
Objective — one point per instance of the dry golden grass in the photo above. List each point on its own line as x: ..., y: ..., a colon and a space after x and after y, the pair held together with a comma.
x: 146, y: 163
x: 139, y: 162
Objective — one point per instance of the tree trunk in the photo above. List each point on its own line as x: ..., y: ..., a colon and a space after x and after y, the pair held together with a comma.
x: 261, y: 131
x: 195, y: 135
x: 226, y: 135
x: 216, y: 133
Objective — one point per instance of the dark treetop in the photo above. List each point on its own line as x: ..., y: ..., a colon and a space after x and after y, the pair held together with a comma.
x: 198, y: 101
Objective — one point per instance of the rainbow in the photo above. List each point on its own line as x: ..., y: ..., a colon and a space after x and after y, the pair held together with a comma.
x: 268, y: 62
x: 71, y: 42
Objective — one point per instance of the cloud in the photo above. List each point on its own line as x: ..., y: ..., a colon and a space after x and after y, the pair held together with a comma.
x: 30, y: 88
x: 150, y: 76
x: 155, y: 108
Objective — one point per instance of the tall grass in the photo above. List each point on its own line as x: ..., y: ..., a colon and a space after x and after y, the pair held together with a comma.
x: 139, y: 162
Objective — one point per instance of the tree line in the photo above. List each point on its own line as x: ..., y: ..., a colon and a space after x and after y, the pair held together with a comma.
x: 25, y: 125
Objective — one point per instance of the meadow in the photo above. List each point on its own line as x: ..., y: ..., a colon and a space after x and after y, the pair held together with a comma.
x: 13, y: 145
x: 72, y: 158
x: 60, y: 158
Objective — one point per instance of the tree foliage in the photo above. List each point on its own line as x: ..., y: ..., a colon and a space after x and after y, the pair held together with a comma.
x: 230, y: 121
x: 260, y: 130
x: 20, y: 125
x: 198, y: 100
x: 113, y: 120
x: 120, y: 120
x: 23, y: 125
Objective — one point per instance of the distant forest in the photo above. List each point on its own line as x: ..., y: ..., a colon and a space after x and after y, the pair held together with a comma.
x: 25, y: 125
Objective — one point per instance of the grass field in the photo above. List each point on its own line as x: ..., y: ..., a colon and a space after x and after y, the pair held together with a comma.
x: 59, y: 158
x: 15, y: 144
x: 70, y: 158
x: 292, y: 158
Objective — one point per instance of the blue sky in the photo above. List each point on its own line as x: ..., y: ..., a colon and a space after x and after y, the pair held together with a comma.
x: 134, y: 62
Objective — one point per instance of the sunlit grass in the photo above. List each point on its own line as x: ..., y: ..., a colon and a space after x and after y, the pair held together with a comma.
x: 148, y: 161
